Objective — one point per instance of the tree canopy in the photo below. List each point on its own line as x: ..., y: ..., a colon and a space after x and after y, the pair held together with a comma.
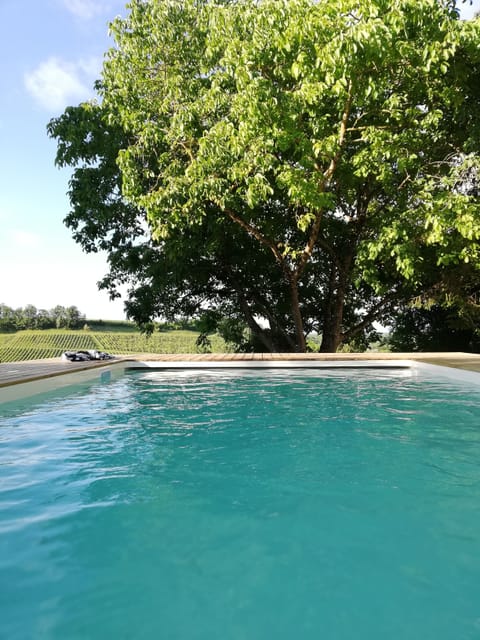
x: 310, y: 163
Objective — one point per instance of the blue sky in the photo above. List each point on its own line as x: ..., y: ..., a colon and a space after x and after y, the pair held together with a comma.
x: 50, y: 54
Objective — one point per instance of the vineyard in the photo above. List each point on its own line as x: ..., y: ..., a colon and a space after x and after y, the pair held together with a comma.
x: 33, y: 345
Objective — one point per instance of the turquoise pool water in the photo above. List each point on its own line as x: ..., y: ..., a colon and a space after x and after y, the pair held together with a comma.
x: 204, y: 505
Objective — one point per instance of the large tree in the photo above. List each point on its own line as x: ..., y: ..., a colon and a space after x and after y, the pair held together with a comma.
x: 308, y: 162
x: 210, y: 266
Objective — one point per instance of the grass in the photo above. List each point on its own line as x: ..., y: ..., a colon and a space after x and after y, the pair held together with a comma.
x: 51, y: 343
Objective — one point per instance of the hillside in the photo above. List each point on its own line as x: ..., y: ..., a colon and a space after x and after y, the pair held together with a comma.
x: 33, y: 345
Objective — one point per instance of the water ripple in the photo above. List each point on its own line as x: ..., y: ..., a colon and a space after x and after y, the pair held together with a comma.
x: 178, y: 504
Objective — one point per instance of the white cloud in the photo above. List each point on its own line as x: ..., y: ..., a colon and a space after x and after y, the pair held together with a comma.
x: 85, y: 9
x: 24, y: 239
x: 90, y: 67
x: 56, y: 83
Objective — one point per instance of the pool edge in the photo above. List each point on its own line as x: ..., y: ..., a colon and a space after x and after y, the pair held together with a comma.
x: 457, y: 366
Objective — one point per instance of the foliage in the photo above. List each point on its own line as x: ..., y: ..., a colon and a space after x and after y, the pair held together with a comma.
x: 433, y: 329
x: 310, y: 163
x: 447, y: 320
x: 30, y: 317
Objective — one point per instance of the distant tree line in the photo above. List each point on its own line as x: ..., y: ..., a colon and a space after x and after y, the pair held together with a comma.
x: 29, y: 317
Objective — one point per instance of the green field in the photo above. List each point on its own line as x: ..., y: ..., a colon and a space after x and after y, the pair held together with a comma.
x: 32, y: 345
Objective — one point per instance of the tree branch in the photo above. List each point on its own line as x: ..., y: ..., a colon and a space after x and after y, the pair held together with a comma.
x: 258, y: 235
x: 327, y: 174
x: 371, y: 316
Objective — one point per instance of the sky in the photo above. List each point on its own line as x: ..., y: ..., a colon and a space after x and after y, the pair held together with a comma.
x: 51, y: 52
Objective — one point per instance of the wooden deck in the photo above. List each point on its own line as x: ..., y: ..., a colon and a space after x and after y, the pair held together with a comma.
x: 13, y: 373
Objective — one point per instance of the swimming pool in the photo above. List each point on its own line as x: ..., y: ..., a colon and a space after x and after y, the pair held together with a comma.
x: 242, y: 504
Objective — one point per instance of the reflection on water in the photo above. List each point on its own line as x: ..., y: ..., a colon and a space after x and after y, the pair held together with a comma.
x: 254, y: 505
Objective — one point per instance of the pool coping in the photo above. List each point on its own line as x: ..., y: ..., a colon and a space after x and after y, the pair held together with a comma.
x: 22, y: 379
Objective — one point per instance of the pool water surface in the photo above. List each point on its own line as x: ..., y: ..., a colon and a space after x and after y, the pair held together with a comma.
x: 242, y: 505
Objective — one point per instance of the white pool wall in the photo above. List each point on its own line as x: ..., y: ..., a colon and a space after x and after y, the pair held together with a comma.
x: 450, y: 373
x: 21, y: 390
x: 272, y: 364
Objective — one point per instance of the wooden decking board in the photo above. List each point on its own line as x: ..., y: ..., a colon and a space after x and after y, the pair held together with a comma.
x: 18, y: 372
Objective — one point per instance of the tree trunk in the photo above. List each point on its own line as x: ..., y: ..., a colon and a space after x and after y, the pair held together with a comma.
x: 254, y: 327
x: 332, y: 324
x: 331, y: 340
x: 301, y: 344
x: 332, y: 331
x: 340, y: 274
